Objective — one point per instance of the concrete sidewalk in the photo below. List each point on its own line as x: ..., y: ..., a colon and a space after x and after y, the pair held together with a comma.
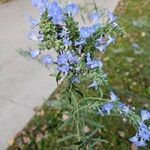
x: 24, y: 83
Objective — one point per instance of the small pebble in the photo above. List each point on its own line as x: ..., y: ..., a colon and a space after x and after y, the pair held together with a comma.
x: 129, y: 100
x: 65, y: 117
x: 121, y: 134
x: 86, y: 129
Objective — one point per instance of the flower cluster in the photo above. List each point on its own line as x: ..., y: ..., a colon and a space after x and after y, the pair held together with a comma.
x: 113, y: 104
x: 68, y: 39
x: 143, y: 133
x: 77, y: 49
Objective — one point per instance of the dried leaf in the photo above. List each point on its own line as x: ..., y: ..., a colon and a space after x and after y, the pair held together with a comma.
x: 26, y: 139
x: 39, y: 136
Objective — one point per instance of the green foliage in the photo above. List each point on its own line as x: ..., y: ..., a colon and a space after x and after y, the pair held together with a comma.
x: 122, y: 72
x: 73, y: 29
x: 103, y: 31
x: 50, y: 38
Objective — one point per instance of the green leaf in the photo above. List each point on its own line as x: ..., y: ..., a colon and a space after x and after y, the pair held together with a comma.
x: 70, y: 136
x: 58, y: 77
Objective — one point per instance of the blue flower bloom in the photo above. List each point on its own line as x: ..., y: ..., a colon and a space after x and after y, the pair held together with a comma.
x: 73, y: 59
x: 139, y: 142
x: 65, y: 62
x: 56, y: 13
x: 96, y: 26
x: 144, y: 132
x: 93, y: 85
x: 47, y: 60
x: 110, y: 40
x: 67, y: 58
x: 75, y: 80
x: 103, y: 43
x: 34, y: 53
x: 93, y: 63
x: 135, y: 45
x: 64, y: 68
x: 111, y: 18
x: 72, y: 9
x: 62, y: 59
x: 145, y: 115
x: 67, y: 42
x: 142, y: 136
x: 94, y: 16
x: 34, y: 37
x: 32, y: 22
x: 40, y: 4
x: 113, y: 96
x: 107, y: 108
x: 80, y: 43
x: 124, y: 108
x: 64, y: 33
x: 86, y: 32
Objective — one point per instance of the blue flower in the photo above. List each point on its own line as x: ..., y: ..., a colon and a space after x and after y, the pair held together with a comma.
x: 67, y: 42
x: 62, y: 59
x: 93, y: 85
x: 93, y: 63
x: 34, y: 53
x: 73, y: 59
x: 135, y: 45
x: 64, y: 68
x: 40, y: 4
x: 72, y: 9
x: 111, y: 17
x: 56, y: 13
x: 64, y: 33
x: 67, y: 58
x: 34, y: 37
x: 80, y: 43
x: 103, y: 43
x: 96, y: 64
x: 65, y: 62
x: 110, y: 40
x: 32, y: 22
x: 94, y: 16
x: 86, y: 32
x: 145, y: 115
x: 75, y: 80
x: 113, y: 96
x: 96, y: 26
x: 142, y: 136
x: 124, y: 108
x: 47, y: 60
x: 107, y: 108
x: 144, y: 132
x: 139, y: 142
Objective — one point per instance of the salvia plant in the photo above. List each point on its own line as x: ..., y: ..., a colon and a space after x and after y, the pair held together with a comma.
x: 79, y: 51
